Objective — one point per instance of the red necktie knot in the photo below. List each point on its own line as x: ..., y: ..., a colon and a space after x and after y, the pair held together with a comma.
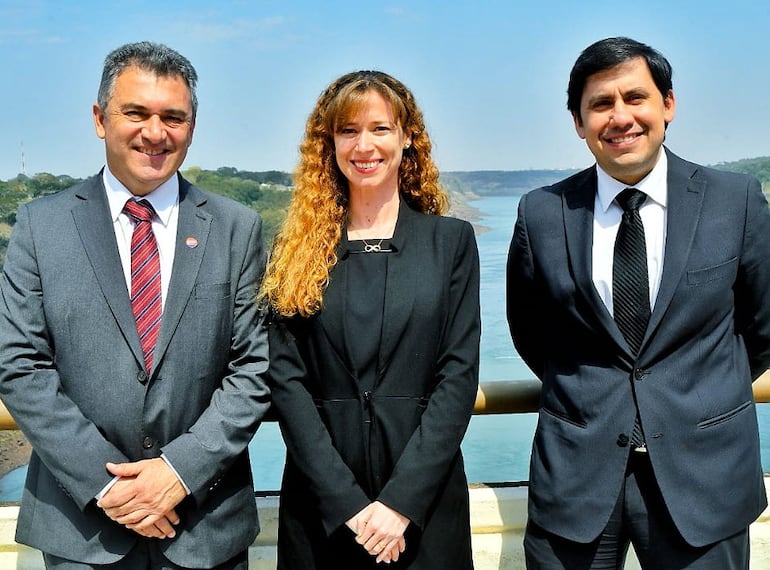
x: 139, y: 211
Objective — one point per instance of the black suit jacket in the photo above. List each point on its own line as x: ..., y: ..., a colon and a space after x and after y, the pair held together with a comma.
x: 399, y: 443
x: 708, y: 338
x: 72, y: 373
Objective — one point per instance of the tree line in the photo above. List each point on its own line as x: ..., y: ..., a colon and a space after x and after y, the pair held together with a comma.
x: 269, y: 192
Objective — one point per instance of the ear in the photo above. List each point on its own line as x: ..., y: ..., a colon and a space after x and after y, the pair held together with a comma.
x: 669, y: 107
x: 407, y: 140
x: 579, y: 125
x: 99, y: 121
x: 190, y: 137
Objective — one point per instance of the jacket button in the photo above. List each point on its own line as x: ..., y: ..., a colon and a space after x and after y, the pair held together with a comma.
x: 147, y: 442
x: 141, y: 376
x: 640, y: 373
x: 622, y: 440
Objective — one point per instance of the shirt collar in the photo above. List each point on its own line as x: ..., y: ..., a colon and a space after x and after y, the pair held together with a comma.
x: 654, y: 184
x: 163, y: 198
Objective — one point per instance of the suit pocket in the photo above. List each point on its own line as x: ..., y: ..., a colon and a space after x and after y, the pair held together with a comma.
x: 725, y: 417
x: 212, y: 290
x: 724, y: 270
x: 563, y: 417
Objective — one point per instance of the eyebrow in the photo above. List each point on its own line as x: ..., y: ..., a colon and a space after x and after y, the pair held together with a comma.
x: 140, y: 107
x: 610, y: 95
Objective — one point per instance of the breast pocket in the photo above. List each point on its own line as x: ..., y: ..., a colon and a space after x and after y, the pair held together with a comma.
x: 210, y: 314
x: 212, y: 290
x: 725, y: 270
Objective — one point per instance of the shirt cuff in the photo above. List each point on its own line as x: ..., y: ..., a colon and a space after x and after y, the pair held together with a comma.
x: 164, y: 458
x: 108, y: 486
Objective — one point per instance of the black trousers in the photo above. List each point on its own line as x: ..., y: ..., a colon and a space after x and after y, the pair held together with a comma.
x: 640, y: 518
x: 144, y: 556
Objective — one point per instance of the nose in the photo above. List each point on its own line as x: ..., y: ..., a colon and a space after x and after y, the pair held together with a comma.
x: 621, y: 115
x: 364, y: 141
x: 154, y: 130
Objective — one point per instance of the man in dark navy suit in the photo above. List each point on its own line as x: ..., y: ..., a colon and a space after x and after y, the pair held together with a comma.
x: 638, y: 294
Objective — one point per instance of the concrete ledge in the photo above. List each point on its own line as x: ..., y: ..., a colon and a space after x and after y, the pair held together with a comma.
x: 498, y: 519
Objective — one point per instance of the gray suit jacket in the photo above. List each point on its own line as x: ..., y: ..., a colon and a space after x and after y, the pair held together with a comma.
x: 71, y: 373
x: 708, y: 338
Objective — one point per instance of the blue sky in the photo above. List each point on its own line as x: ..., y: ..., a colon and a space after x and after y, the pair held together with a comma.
x: 490, y: 76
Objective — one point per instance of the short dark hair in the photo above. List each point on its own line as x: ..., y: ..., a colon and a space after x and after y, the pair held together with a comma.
x: 608, y: 53
x: 149, y: 56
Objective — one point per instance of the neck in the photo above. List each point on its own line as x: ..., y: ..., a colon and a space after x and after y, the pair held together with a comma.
x: 372, y: 216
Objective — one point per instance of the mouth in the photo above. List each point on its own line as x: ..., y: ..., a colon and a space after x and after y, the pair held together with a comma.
x: 152, y: 152
x: 367, y: 165
x: 623, y: 139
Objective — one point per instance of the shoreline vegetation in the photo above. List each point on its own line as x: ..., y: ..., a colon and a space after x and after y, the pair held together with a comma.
x: 269, y: 193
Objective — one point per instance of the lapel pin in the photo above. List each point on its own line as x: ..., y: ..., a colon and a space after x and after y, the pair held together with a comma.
x: 191, y: 242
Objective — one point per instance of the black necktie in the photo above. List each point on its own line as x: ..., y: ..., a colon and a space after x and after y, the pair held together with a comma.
x: 630, y: 281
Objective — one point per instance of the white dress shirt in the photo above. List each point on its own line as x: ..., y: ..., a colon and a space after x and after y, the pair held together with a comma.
x: 165, y: 202
x: 607, y: 215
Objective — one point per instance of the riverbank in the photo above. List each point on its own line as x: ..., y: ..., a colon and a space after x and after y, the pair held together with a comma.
x: 460, y: 207
x: 14, y: 451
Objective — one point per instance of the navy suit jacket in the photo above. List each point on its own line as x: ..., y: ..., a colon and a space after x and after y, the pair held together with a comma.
x: 72, y: 374
x: 707, y: 340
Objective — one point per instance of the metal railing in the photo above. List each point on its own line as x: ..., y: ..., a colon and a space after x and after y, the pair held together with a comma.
x: 500, y: 397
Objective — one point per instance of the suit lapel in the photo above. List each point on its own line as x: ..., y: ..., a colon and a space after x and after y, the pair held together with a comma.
x: 685, y: 199
x: 194, y: 222
x: 578, y: 212
x: 403, y: 270
x: 332, y: 317
x: 94, y: 225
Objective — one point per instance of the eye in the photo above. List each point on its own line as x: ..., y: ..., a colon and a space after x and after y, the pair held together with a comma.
x: 347, y: 131
x: 134, y: 115
x: 382, y: 129
x: 601, y: 105
x: 174, y: 121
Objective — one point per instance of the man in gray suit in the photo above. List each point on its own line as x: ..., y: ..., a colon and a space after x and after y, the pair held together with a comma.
x: 647, y: 431
x: 139, y: 425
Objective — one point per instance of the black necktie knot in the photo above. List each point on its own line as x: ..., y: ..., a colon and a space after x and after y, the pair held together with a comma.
x: 631, y: 199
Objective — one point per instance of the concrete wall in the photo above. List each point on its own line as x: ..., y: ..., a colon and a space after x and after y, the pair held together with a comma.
x: 498, y: 517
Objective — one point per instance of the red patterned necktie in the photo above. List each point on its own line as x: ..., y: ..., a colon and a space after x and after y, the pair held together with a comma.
x: 145, y: 278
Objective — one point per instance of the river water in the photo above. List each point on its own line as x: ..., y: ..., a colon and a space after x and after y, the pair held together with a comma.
x: 496, y: 448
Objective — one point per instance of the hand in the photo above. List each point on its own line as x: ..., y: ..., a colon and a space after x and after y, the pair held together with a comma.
x: 380, y: 530
x: 391, y: 555
x: 144, y: 498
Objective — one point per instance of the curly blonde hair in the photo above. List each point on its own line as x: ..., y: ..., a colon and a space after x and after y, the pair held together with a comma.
x: 304, y: 250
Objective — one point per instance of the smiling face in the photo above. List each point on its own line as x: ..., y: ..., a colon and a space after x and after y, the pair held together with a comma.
x: 623, y: 118
x: 147, y: 128
x: 368, y: 146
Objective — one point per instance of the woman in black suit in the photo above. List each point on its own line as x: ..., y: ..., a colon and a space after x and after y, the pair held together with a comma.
x: 375, y: 341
